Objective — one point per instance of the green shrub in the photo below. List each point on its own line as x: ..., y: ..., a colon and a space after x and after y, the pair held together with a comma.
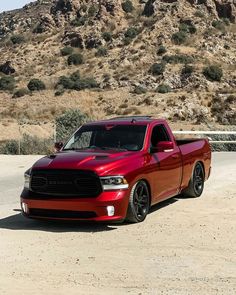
x: 28, y: 145
x: 36, y: 85
x: 131, y: 33
x: 79, y: 21
x: 187, y: 70
x: 187, y: 28
x: 199, y: 13
x: 178, y: 59
x: 139, y: 90
x: 75, y: 76
x: 17, y: 39
x: 127, y: 6
x: 65, y: 82
x: 219, y: 25
x: 102, y: 51
x: 75, y: 82
x: 226, y: 21
x: 127, y: 40
x: 21, y: 92
x: 213, y: 73
x: 86, y: 83
x: 163, y: 88
x: 161, y: 50
x: 11, y: 147
x: 107, y: 36
x: 75, y: 59
x: 7, y: 83
x: 179, y: 37
x: 67, y: 123
x: 157, y: 69
x: 93, y: 9
x: 66, y: 51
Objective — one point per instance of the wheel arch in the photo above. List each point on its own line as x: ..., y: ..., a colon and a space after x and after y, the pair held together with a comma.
x: 149, y: 188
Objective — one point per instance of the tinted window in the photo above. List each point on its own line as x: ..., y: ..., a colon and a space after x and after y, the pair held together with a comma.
x: 127, y: 137
x: 159, y: 133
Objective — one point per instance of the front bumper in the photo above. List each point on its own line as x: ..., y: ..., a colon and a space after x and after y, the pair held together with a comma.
x: 91, y: 209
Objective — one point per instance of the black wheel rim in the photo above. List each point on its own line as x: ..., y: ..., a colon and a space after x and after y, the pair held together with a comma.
x: 198, y: 179
x: 141, y: 200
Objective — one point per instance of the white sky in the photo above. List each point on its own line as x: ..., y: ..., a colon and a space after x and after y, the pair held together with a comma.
x: 6, y: 5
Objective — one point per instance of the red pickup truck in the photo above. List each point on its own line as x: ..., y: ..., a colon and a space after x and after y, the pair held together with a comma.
x: 115, y: 170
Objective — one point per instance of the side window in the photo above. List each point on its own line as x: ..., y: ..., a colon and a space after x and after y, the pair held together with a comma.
x: 159, y: 133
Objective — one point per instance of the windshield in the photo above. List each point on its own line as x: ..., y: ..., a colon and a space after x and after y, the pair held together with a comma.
x: 105, y: 137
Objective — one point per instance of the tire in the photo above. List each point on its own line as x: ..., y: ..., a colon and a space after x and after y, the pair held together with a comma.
x: 139, y: 203
x: 196, y: 183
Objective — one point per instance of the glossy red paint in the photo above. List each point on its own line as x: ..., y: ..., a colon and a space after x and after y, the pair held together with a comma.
x: 166, y: 172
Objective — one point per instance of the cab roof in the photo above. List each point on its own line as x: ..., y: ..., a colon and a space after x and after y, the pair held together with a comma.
x: 128, y: 120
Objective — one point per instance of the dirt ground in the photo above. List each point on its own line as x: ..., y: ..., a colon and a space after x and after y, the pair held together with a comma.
x: 185, y: 246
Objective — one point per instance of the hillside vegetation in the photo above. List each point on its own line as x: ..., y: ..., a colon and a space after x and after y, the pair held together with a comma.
x: 171, y: 59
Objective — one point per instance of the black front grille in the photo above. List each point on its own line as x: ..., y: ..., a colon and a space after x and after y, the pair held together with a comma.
x: 62, y: 183
x: 61, y: 214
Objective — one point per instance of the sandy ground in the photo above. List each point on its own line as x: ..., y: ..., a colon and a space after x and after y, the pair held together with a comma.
x: 185, y: 246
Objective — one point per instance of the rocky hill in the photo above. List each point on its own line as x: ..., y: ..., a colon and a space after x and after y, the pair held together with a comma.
x: 169, y: 58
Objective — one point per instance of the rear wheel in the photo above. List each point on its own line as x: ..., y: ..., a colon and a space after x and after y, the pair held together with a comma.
x: 139, y: 202
x: 196, y: 183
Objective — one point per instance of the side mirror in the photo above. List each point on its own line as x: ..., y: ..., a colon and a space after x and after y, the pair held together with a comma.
x: 58, y: 146
x: 163, y: 146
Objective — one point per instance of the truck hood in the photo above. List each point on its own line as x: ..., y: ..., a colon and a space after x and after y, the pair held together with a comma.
x: 102, y: 162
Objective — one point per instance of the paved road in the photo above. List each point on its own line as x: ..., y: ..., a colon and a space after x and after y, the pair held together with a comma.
x: 185, y: 247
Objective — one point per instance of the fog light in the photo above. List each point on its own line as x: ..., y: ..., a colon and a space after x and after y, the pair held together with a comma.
x: 110, y: 210
x: 24, y: 207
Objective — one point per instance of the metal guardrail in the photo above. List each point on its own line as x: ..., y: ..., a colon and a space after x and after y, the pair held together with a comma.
x: 211, y: 132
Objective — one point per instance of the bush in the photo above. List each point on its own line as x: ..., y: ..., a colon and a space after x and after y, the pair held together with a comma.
x: 178, y: 59
x: 161, y: 50
x: 157, y: 69
x: 131, y: 33
x: 187, y: 28
x: 107, y: 36
x: 93, y: 9
x: 163, y: 88
x: 139, y: 90
x: 213, y: 73
x: 65, y: 82
x: 7, y: 83
x: 75, y: 59
x: 17, y: 39
x: 75, y: 76
x: 20, y: 92
x: 67, y: 123
x: 86, y: 83
x: 102, y: 51
x: 79, y: 21
x: 29, y: 145
x: 179, y: 37
x: 187, y: 70
x: 66, y: 51
x: 36, y: 85
x: 11, y: 147
x: 127, y: 6
x: 199, y: 13
x: 219, y: 25
x: 76, y: 83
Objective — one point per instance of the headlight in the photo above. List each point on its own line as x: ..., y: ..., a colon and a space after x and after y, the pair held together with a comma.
x: 27, y: 178
x: 114, y: 183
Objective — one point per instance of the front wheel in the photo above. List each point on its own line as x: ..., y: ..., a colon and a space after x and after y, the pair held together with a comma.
x: 196, y: 183
x: 139, y: 202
